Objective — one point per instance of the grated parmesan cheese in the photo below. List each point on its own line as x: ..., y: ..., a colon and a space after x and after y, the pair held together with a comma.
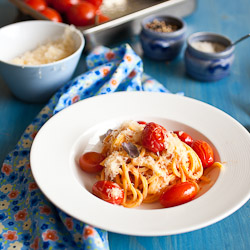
x: 176, y: 147
x: 113, y: 163
x: 132, y: 131
x: 209, y: 47
x: 114, y: 193
x: 49, y: 52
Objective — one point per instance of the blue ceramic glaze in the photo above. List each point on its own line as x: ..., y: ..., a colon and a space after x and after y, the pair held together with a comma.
x: 162, y: 45
x: 205, y: 66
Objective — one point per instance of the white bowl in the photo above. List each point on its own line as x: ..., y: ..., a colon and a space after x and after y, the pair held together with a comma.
x: 36, y: 83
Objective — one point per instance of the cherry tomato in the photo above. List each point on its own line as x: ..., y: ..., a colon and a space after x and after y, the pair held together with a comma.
x: 178, y: 194
x: 153, y: 137
x: 183, y: 136
x: 49, y: 3
x: 108, y: 191
x: 51, y: 14
x: 205, y: 153
x: 96, y: 3
x: 81, y: 14
x: 63, y: 5
x: 90, y: 162
x: 36, y: 4
x: 142, y: 122
x: 101, y: 18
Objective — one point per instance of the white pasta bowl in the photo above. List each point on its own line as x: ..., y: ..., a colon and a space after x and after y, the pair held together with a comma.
x: 36, y: 83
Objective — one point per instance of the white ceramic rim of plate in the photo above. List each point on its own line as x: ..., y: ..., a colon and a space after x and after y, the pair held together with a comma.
x: 53, y: 144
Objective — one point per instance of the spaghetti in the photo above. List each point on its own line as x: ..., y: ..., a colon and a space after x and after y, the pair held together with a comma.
x: 146, y: 175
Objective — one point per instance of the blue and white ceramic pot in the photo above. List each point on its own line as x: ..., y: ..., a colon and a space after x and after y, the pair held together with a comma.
x: 208, y: 66
x: 162, y: 45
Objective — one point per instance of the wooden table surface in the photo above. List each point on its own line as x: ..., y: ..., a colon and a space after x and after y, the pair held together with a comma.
x: 232, y: 95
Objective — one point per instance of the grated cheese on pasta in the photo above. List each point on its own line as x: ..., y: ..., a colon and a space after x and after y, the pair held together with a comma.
x: 112, y: 164
x: 175, y: 146
x: 131, y: 131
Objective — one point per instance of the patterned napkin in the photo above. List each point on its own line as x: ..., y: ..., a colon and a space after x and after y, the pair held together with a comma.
x: 27, y: 219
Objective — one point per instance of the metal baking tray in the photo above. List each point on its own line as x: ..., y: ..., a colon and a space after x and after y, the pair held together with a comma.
x: 125, y: 17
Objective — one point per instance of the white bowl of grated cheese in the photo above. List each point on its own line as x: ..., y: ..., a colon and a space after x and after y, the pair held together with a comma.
x: 38, y: 57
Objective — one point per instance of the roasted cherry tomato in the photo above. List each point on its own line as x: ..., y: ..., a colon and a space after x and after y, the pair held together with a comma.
x: 205, y: 153
x: 178, y: 194
x: 183, y: 136
x: 36, y: 4
x: 108, y: 191
x: 101, y: 18
x: 142, y: 122
x: 49, y: 3
x: 81, y: 14
x: 96, y: 3
x: 63, y: 5
x: 51, y: 14
x: 153, y: 137
x: 90, y: 162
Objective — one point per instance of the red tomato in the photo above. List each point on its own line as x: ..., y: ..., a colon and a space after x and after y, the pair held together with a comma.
x: 205, y: 153
x: 142, y: 122
x: 178, y: 194
x: 81, y: 14
x: 51, y: 14
x: 153, y: 137
x: 90, y: 162
x: 183, y: 136
x: 108, y: 191
x: 63, y: 5
x: 96, y: 3
x: 102, y: 19
x: 36, y: 4
x: 49, y: 3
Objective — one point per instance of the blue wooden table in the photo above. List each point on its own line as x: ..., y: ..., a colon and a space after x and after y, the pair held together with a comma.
x: 231, y: 95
